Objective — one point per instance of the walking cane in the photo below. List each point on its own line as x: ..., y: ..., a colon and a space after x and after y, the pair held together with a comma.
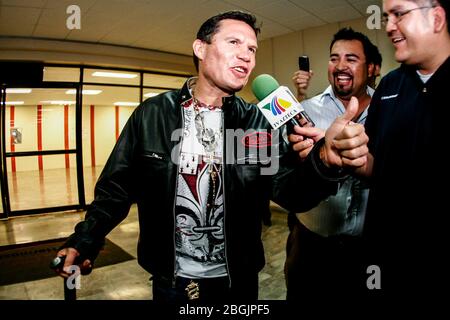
x: 70, y: 294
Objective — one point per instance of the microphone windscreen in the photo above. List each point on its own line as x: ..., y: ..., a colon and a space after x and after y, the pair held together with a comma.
x: 263, y: 85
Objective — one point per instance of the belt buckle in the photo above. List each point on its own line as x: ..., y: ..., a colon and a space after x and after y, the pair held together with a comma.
x: 193, y: 290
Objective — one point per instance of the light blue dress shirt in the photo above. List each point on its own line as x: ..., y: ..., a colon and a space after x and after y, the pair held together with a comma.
x: 344, y: 212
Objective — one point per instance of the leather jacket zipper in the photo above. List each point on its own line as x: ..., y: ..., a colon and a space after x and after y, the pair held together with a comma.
x: 154, y: 155
x: 177, y: 166
x: 224, y: 197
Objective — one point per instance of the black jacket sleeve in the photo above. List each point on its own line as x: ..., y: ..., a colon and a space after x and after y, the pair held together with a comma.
x: 301, y: 185
x: 113, y: 194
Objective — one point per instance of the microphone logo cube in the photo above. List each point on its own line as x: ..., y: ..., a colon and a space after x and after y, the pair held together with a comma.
x: 279, y: 107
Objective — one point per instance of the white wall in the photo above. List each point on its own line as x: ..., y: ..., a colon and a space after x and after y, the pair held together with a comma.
x: 53, y: 134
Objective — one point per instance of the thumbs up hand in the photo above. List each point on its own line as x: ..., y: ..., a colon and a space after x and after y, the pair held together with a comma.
x: 345, y: 141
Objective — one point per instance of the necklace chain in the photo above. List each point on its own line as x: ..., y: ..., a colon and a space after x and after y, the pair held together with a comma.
x: 209, y: 138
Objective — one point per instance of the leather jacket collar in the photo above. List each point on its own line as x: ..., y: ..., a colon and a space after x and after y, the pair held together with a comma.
x: 186, y: 95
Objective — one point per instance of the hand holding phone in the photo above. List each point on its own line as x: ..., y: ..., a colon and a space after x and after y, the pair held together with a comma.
x: 302, y: 77
x: 302, y: 119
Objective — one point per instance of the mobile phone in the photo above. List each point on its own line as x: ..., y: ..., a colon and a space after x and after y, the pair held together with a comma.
x: 303, y: 63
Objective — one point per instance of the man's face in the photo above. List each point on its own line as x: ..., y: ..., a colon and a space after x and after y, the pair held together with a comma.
x: 347, y: 69
x: 227, y: 62
x: 411, y: 35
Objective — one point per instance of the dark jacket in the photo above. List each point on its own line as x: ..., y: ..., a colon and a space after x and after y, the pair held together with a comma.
x: 140, y: 169
x: 405, y: 225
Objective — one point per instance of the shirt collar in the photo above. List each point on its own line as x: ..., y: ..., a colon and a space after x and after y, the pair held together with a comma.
x: 330, y: 94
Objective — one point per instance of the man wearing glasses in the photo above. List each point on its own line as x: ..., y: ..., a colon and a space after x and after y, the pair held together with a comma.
x: 404, y: 225
x: 404, y: 228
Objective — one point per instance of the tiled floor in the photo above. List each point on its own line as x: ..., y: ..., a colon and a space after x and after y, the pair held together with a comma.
x: 49, y: 188
x: 125, y: 280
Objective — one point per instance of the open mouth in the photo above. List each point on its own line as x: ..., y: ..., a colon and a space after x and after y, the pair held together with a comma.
x: 343, y: 79
x: 397, y: 39
x: 241, y: 70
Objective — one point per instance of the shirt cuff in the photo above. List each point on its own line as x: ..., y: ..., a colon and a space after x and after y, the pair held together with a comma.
x: 327, y: 173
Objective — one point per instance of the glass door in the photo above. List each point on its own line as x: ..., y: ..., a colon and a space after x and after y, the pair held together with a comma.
x: 42, y: 159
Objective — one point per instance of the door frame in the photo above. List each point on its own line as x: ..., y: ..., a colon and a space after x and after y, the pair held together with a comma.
x: 78, y: 151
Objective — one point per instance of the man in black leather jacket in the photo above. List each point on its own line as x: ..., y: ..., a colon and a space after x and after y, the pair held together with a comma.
x: 194, y: 162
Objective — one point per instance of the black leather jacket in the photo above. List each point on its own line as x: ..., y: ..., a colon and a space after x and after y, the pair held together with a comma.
x: 140, y: 169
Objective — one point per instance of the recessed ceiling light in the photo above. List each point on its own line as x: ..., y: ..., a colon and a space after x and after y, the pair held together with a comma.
x: 18, y: 90
x: 87, y: 92
x: 58, y: 102
x: 114, y: 74
x: 126, y: 103
x: 13, y: 102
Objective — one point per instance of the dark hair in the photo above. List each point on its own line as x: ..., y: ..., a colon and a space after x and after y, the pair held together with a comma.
x: 375, y: 56
x: 350, y: 34
x: 211, y: 26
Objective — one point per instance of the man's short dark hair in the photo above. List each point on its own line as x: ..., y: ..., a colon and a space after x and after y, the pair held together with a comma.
x: 350, y: 34
x: 375, y: 56
x: 211, y: 26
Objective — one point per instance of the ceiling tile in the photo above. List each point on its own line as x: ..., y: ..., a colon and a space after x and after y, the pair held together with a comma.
x: 53, y: 16
x: 280, y: 11
x: 305, y: 22
x: 24, y: 3
x: 362, y: 5
x: 19, y: 15
x: 271, y: 29
x: 317, y: 7
x: 164, y: 24
x: 340, y: 14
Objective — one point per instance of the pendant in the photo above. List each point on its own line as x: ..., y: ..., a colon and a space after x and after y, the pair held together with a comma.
x: 192, y: 290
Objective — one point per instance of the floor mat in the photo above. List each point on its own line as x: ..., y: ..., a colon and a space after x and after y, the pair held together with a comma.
x: 30, y: 261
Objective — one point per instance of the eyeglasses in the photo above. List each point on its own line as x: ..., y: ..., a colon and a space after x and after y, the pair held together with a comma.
x: 397, y: 16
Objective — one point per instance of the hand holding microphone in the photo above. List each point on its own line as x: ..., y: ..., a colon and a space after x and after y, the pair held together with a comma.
x: 64, y: 264
x: 278, y: 104
x: 303, y: 139
x: 345, y: 143
x: 67, y: 257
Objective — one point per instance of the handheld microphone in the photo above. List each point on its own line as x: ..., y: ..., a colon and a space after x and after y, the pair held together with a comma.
x: 70, y: 294
x: 278, y: 104
x: 57, y: 263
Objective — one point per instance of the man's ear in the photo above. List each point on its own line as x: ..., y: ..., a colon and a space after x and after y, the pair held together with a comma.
x: 199, y: 48
x: 370, y: 70
x: 439, y: 19
x: 376, y: 70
